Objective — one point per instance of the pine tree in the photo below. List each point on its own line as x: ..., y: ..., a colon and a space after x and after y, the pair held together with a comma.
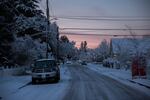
x: 17, y: 16
x: 30, y: 19
x: 28, y: 8
x: 6, y: 37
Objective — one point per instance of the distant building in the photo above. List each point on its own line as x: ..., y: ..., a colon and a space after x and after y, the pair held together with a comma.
x: 118, y: 44
x: 132, y: 46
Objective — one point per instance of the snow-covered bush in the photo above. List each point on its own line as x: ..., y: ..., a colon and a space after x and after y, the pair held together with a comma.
x: 111, y: 63
x: 26, y: 50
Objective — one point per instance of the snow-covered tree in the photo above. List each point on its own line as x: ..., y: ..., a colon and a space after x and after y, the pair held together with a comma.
x: 126, y: 49
x: 53, y: 38
x: 83, y: 46
x: 6, y: 37
x: 140, y: 45
x: 102, y: 51
x: 123, y: 51
x: 22, y: 20
x: 66, y: 48
x: 104, y: 48
x: 28, y: 8
x: 26, y: 50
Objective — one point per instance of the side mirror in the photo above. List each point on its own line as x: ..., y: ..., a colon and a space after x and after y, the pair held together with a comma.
x: 32, y: 65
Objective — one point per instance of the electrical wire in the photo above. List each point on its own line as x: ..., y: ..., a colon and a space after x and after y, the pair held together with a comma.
x: 101, y: 29
x: 106, y: 18
x: 114, y: 35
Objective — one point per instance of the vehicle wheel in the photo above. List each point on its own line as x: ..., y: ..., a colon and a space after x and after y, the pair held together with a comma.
x: 56, y: 80
x: 33, y: 81
x: 58, y: 77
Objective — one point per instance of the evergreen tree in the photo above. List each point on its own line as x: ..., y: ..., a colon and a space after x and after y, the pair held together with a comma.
x: 30, y: 19
x: 6, y: 37
x: 17, y: 17
x: 83, y: 46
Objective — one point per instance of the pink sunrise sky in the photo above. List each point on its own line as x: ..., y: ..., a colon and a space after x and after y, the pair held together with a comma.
x: 110, y: 8
x: 92, y: 40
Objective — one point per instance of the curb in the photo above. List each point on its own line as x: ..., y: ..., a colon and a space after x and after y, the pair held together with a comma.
x: 139, y: 83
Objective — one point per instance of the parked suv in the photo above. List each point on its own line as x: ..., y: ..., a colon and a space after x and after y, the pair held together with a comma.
x: 45, y: 70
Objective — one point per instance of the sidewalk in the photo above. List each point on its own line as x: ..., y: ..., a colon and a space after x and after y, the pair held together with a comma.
x: 119, y: 74
x: 11, y: 84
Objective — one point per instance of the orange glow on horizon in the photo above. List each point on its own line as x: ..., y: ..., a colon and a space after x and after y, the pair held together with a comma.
x: 92, y: 41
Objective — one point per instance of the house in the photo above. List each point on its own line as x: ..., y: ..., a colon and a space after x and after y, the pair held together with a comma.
x: 129, y: 45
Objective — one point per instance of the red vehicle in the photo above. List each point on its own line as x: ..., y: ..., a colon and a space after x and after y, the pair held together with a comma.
x: 139, y: 67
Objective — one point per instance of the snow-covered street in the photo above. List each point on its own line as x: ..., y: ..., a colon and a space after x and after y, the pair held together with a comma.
x: 87, y: 84
x: 77, y: 82
x: 74, y: 50
x: 120, y: 74
x: 123, y: 76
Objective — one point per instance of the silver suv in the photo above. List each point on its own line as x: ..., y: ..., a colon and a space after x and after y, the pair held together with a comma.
x: 45, y: 70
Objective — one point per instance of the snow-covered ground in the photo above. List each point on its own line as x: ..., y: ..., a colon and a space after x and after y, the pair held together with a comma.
x: 20, y: 87
x: 122, y: 75
x: 12, y: 71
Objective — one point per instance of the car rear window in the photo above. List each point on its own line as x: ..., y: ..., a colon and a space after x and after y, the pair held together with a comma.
x: 45, y: 63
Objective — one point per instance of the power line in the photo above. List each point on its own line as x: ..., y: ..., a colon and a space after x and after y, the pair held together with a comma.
x: 102, y: 29
x: 114, y: 35
x: 103, y: 18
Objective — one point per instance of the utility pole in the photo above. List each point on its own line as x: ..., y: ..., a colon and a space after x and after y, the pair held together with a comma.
x: 48, y: 23
x: 57, y: 44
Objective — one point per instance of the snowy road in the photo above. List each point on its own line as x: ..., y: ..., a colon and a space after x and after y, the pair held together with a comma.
x: 89, y: 85
x: 77, y: 83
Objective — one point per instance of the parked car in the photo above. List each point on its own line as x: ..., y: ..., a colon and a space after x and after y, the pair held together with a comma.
x: 45, y: 70
x: 69, y: 62
x: 83, y: 63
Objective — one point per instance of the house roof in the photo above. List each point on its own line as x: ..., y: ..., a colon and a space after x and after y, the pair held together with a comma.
x: 129, y: 45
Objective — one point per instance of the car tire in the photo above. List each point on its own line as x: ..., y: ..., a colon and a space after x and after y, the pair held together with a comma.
x: 33, y: 81
x: 57, y: 78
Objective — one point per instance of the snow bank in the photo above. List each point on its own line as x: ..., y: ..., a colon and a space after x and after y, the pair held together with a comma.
x: 123, y: 76
x: 120, y: 73
x: 12, y: 71
x: 11, y: 84
x: 148, y: 69
x: 20, y: 87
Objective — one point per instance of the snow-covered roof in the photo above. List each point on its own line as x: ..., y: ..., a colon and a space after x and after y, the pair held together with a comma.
x: 129, y: 44
x: 119, y: 43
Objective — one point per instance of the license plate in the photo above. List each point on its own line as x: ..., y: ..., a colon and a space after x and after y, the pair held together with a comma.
x: 43, y: 76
